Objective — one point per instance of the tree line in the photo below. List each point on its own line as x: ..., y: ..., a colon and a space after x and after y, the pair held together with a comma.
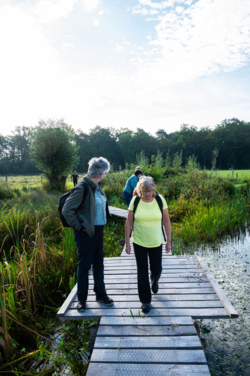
x: 226, y: 146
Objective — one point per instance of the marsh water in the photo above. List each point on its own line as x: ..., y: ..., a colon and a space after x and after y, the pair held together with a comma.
x: 227, y: 341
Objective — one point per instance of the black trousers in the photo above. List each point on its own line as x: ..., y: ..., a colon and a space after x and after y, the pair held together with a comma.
x: 90, y: 251
x: 155, y: 260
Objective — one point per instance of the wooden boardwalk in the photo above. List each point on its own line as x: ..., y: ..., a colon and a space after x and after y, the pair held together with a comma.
x: 164, y: 341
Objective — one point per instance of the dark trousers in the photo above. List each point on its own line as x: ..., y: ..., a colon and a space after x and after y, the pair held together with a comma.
x: 90, y: 251
x: 75, y: 182
x: 127, y: 197
x: 155, y: 260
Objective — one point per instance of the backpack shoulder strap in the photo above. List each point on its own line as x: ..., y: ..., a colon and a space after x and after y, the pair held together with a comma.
x: 136, y: 202
x: 85, y: 186
x: 159, y: 202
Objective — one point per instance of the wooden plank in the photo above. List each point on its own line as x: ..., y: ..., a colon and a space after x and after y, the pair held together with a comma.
x: 162, y: 285
x: 67, y: 302
x: 155, y: 304
x: 224, y: 300
x: 148, y: 356
x: 169, y: 291
x: 140, y: 330
x: 128, y: 270
x: 133, y: 279
x: 218, y: 313
x: 125, y: 369
x: 117, y: 261
x: 149, y: 342
x: 165, y: 273
x: 164, y: 266
x: 149, y: 321
x: 157, y: 297
x: 170, y: 257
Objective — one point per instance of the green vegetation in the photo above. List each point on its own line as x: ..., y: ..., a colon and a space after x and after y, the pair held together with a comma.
x: 38, y: 266
x: 224, y: 147
x: 54, y: 150
x: 203, y: 206
x: 39, y: 258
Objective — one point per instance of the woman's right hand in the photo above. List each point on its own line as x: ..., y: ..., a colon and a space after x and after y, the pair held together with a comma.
x: 128, y: 249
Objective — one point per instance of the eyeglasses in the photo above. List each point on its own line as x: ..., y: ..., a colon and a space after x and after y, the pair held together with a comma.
x: 149, y: 191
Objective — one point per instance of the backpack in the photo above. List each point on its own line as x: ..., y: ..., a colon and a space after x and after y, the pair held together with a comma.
x: 159, y: 202
x: 63, y: 199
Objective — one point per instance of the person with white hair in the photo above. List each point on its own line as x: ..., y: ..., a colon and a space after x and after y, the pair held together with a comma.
x: 146, y: 214
x: 87, y: 213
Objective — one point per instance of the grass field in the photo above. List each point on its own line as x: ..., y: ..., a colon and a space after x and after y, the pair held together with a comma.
x: 228, y: 173
x: 21, y: 181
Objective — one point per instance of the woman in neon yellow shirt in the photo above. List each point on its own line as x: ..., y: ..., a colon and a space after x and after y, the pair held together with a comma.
x: 147, y: 238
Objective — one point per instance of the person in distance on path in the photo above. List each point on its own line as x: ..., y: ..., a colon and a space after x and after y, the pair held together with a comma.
x: 88, y: 217
x: 75, y: 178
x: 131, y: 184
x: 147, y: 238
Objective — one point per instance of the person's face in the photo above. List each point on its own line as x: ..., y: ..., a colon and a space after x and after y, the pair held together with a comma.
x: 147, y: 193
x: 102, y: 176
x: 139, y: 176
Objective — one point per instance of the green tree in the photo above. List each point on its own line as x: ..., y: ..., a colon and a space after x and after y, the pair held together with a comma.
x: 127, y: 143
x: 54, y: 149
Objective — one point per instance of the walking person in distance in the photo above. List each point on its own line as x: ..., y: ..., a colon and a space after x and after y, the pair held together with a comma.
x: 88, y: 217
x: 147, y: 219
x: 75, y: 177
x: 131, y: 184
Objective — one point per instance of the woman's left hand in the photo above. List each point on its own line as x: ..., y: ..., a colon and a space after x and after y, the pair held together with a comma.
x: 168, y: 247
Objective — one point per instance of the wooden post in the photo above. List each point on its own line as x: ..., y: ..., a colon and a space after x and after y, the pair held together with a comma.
x: 232, y: 172
x: 236, y: 175
x: 6, y: 179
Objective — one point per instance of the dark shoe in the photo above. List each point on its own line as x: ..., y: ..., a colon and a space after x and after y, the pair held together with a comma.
x: 155, y: 287
x: 145, y: 307
x: 105, y: 300
x: 81, y: 306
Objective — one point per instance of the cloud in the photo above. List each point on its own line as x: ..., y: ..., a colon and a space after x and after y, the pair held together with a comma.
x: 144, y: 11
x: 67, y: 45
x: 196, y: 40
x: 31, y: 74
x: 51, y: 10
x: 96, y: 22
x: 90, y: 5
x: 161, y: 5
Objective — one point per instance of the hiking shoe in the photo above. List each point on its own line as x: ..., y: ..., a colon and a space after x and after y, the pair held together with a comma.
x: 155, y: 287
x: 81, y: 306
x: 145, y: 307
x: 105, y: 300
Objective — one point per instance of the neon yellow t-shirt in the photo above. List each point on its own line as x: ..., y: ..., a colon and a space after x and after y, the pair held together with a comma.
x: 147, y: 230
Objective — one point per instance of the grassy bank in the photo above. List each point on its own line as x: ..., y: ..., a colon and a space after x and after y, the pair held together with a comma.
x: 38, y: 266
x: 203, y: 206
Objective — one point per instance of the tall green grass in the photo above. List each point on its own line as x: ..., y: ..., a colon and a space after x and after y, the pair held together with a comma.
x: 207, y: 224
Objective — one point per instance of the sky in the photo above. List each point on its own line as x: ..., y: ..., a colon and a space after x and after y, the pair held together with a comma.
x: 124, y: 64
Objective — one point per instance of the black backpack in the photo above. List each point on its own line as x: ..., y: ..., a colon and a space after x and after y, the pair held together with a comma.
x: 159, y: 202
x: 63, y: 199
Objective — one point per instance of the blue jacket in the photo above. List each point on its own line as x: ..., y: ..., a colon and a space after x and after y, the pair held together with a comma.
x: 131, y: 184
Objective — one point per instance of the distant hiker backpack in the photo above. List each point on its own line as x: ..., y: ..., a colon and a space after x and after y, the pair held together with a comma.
x: 63, y: 199
x: 159, y: 202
